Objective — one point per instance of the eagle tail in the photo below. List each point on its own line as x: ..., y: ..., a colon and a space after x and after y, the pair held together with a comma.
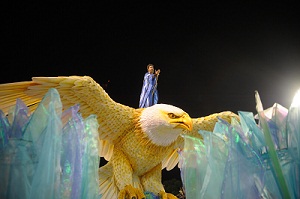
x: 108, y: 187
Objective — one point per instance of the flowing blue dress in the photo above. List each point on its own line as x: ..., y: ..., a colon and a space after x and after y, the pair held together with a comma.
x: 149, y: 94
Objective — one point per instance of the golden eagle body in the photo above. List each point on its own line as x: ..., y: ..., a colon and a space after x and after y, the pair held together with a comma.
x: 137, y: 143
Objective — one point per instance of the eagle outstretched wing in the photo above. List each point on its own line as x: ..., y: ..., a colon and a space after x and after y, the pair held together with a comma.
x: 112, y: 117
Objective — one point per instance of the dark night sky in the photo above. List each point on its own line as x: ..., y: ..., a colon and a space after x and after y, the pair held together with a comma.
x: 212, y: 55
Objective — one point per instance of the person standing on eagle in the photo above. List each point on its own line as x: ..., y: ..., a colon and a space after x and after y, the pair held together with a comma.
x: 149, y: 94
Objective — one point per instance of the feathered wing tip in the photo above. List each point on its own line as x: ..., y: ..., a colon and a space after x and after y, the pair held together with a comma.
x: 171, y: 160
x: 11, y: 91
x: 105, y: 149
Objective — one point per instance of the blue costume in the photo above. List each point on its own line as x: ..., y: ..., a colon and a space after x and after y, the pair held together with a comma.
x: 149, y: 94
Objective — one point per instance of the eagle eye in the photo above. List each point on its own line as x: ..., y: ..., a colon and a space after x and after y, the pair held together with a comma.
x: 172, y: 115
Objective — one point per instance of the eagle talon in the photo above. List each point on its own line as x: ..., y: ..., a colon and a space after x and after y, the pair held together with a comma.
x: 164, y: 195
x: 131, y: 192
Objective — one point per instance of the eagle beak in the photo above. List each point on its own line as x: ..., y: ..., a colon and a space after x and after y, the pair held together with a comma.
x: 184, y: 122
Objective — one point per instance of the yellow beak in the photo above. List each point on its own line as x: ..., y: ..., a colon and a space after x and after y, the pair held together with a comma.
x: 184, y: 122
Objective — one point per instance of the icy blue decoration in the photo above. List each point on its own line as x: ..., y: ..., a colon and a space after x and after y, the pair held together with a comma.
x: 90, y: 165
x: 293, y: 132
x: 72, y: 152
x: 49, y: 154
x: 233, y: 161
x: 4, y: 129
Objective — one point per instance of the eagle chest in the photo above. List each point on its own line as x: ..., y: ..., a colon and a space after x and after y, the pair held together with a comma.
x: 140, y: 151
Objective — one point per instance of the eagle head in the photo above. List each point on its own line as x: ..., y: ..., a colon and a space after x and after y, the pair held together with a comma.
x: 163, y: 123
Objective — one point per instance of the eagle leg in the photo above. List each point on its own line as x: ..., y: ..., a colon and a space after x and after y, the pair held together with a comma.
x: 151, y: 181
x: 129, y: 192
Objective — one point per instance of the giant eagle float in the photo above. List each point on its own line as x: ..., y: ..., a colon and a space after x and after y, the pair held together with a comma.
x: 137, y: 143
